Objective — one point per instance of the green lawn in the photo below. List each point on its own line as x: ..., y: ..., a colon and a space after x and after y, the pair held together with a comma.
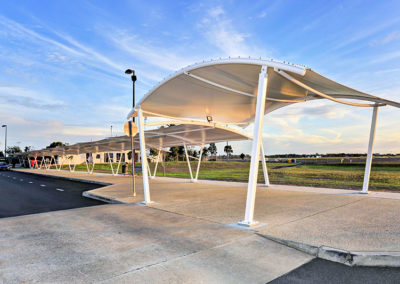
x: 350, y: 176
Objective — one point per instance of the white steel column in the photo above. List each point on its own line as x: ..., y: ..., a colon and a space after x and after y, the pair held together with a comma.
x: 264, y: 165
x: 368, y: 163
x: 87, y: 166
x: 188, y: 162
x: 62, y: 162
x: 111, y: 165
x: 198, y: 165
x: 93, y: 164
x: 119, y: 163
x: 149, y: 170
x: 145, y: 176
x: 255, y: 149
x: 158, y: 158
x: 52, y: 158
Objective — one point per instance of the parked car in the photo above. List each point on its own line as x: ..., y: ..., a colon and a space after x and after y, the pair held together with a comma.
x: 4, y: 166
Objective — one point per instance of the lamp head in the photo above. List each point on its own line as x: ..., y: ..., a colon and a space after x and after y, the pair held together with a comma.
x: 4, y: 125
x: 129, y: 71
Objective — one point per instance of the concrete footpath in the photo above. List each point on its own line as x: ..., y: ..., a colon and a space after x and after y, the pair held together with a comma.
x: 123, y: 243
x: 317, y: 216
x: 189, y: 234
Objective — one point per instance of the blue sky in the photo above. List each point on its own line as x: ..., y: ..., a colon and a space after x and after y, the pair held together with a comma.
x: 62, y: 64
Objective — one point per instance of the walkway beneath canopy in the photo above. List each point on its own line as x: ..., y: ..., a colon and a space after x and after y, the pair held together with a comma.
x: 240, y: 91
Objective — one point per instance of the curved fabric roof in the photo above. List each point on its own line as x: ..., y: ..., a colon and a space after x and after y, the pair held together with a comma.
x: 226, y: 90
x: 189, y: 134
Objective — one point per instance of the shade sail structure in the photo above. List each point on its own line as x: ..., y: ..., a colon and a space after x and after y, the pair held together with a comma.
x: 191, y: 135
x: 226, y: 91
x: 240, y: 91
x: 178, y: 135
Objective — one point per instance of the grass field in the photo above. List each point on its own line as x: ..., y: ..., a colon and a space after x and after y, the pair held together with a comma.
x: 385, y: 177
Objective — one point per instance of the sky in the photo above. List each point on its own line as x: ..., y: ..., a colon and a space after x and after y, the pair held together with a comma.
x: 62, y: 64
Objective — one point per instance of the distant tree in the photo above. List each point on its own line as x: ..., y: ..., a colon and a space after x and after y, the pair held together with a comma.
x: 13, y: 149
x: 213, y: 149
x: 228, y: 150
x: 181, y: 152
x: 27, y: 148
x: 173, y: 154
x: 192, y: 152
x: 56, y: 144
x: 242, y: 156
x: 205, y: 152
x: 153, y: 152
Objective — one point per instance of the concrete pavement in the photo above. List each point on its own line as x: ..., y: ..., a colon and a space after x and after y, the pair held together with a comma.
x: 126, y: 243
x: 336, y: 218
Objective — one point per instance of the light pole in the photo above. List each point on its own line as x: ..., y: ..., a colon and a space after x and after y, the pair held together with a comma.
x: 5, y: 141
x: 134, y: 78
x: 111, y: 131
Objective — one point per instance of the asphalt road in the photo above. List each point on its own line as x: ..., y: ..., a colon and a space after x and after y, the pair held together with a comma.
x: 323, y: 271
x: 22, y: 194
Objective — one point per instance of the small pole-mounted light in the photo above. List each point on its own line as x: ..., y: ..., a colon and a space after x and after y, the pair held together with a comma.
x: 209, y: 118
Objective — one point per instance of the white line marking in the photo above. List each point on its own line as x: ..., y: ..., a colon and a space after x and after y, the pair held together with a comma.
x: 31, y: 182
x: 42, y: 185
x: 59, y: 189
x: 14, y: 177
x: 21, y: 179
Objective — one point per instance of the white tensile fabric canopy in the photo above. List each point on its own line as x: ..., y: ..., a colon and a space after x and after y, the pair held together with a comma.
x: 240, y: 91
x: 177, y: 135
x: 187, y: 134
x: 226, y: 90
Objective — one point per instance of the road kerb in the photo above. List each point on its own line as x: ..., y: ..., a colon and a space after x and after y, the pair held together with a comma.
x: 350, y: 258
x: 101, y: 198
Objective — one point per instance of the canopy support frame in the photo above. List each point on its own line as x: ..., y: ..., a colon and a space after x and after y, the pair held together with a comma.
x: 188, y: 162
x: 368, y: 162
x: 308, y: 88
x: 145, y: 177
x: 264, y: 165
x: 198, y: 165
x: 109, y: 160
x: 158, y: 158
x: 255, y: 149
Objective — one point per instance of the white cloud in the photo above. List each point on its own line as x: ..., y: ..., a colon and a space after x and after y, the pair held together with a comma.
x: 10, y: 95
x: 364, y: 33
x: 40, y: 132
x: 220, y: 31
x: 393, y: 36
x: 170, y: 59
x: 14, y: 29
x: 386, y: 57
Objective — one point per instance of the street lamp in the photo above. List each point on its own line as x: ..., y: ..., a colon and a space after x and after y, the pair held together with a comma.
x: 5, y: 141
x: 134, y: 78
